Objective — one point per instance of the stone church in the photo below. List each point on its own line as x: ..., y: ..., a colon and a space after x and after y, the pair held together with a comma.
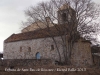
x: 34, y: 43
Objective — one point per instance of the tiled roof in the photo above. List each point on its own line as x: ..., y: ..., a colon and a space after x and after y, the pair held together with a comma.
x: 42, y: 33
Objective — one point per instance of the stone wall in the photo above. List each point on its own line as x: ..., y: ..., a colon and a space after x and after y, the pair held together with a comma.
x: 25, y: 62
x: 96, y: 60
x: 81, y: 53
x: 27, y: 49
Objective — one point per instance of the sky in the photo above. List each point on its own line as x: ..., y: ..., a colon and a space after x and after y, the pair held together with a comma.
x: 12, y: 14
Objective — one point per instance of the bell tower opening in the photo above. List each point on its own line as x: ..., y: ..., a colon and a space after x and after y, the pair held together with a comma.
x: 64, y: 17
x: 66, y: 14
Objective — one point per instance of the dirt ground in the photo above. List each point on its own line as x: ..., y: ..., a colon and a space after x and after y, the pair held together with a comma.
x: 50, y: 70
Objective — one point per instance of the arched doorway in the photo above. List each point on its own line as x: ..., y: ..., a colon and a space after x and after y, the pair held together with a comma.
x: 38, y: 55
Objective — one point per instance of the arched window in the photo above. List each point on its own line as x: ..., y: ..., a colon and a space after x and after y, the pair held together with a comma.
x: 20, y: 49
x: 52, y: 47
x: 38, y: 56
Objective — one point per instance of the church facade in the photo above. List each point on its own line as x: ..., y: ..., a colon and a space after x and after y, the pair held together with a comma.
x: 38, y: 44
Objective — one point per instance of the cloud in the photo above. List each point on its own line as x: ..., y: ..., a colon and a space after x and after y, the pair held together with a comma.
x: 96, y: 1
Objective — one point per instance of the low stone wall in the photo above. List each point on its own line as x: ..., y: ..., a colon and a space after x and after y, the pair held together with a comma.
x: 25, y: 62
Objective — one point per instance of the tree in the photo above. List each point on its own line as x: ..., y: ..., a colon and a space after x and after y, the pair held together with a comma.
x: 78, y: 19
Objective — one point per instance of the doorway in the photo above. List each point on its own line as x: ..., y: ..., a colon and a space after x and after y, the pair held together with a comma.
x: 38, y: 56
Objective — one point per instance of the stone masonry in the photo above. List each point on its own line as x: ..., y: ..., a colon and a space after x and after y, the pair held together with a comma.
x: 43, y: 46
x: 81, y: 53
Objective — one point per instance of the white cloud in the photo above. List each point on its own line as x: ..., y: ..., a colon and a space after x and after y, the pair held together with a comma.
x: 97, y: 1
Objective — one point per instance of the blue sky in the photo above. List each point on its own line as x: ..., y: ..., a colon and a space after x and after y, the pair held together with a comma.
x: 11, y: 15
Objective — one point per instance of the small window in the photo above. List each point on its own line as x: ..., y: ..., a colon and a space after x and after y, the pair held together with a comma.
x: 20, y: 49
x: 52, y: 47
x: 69, y: 18
x: 29, y: 49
